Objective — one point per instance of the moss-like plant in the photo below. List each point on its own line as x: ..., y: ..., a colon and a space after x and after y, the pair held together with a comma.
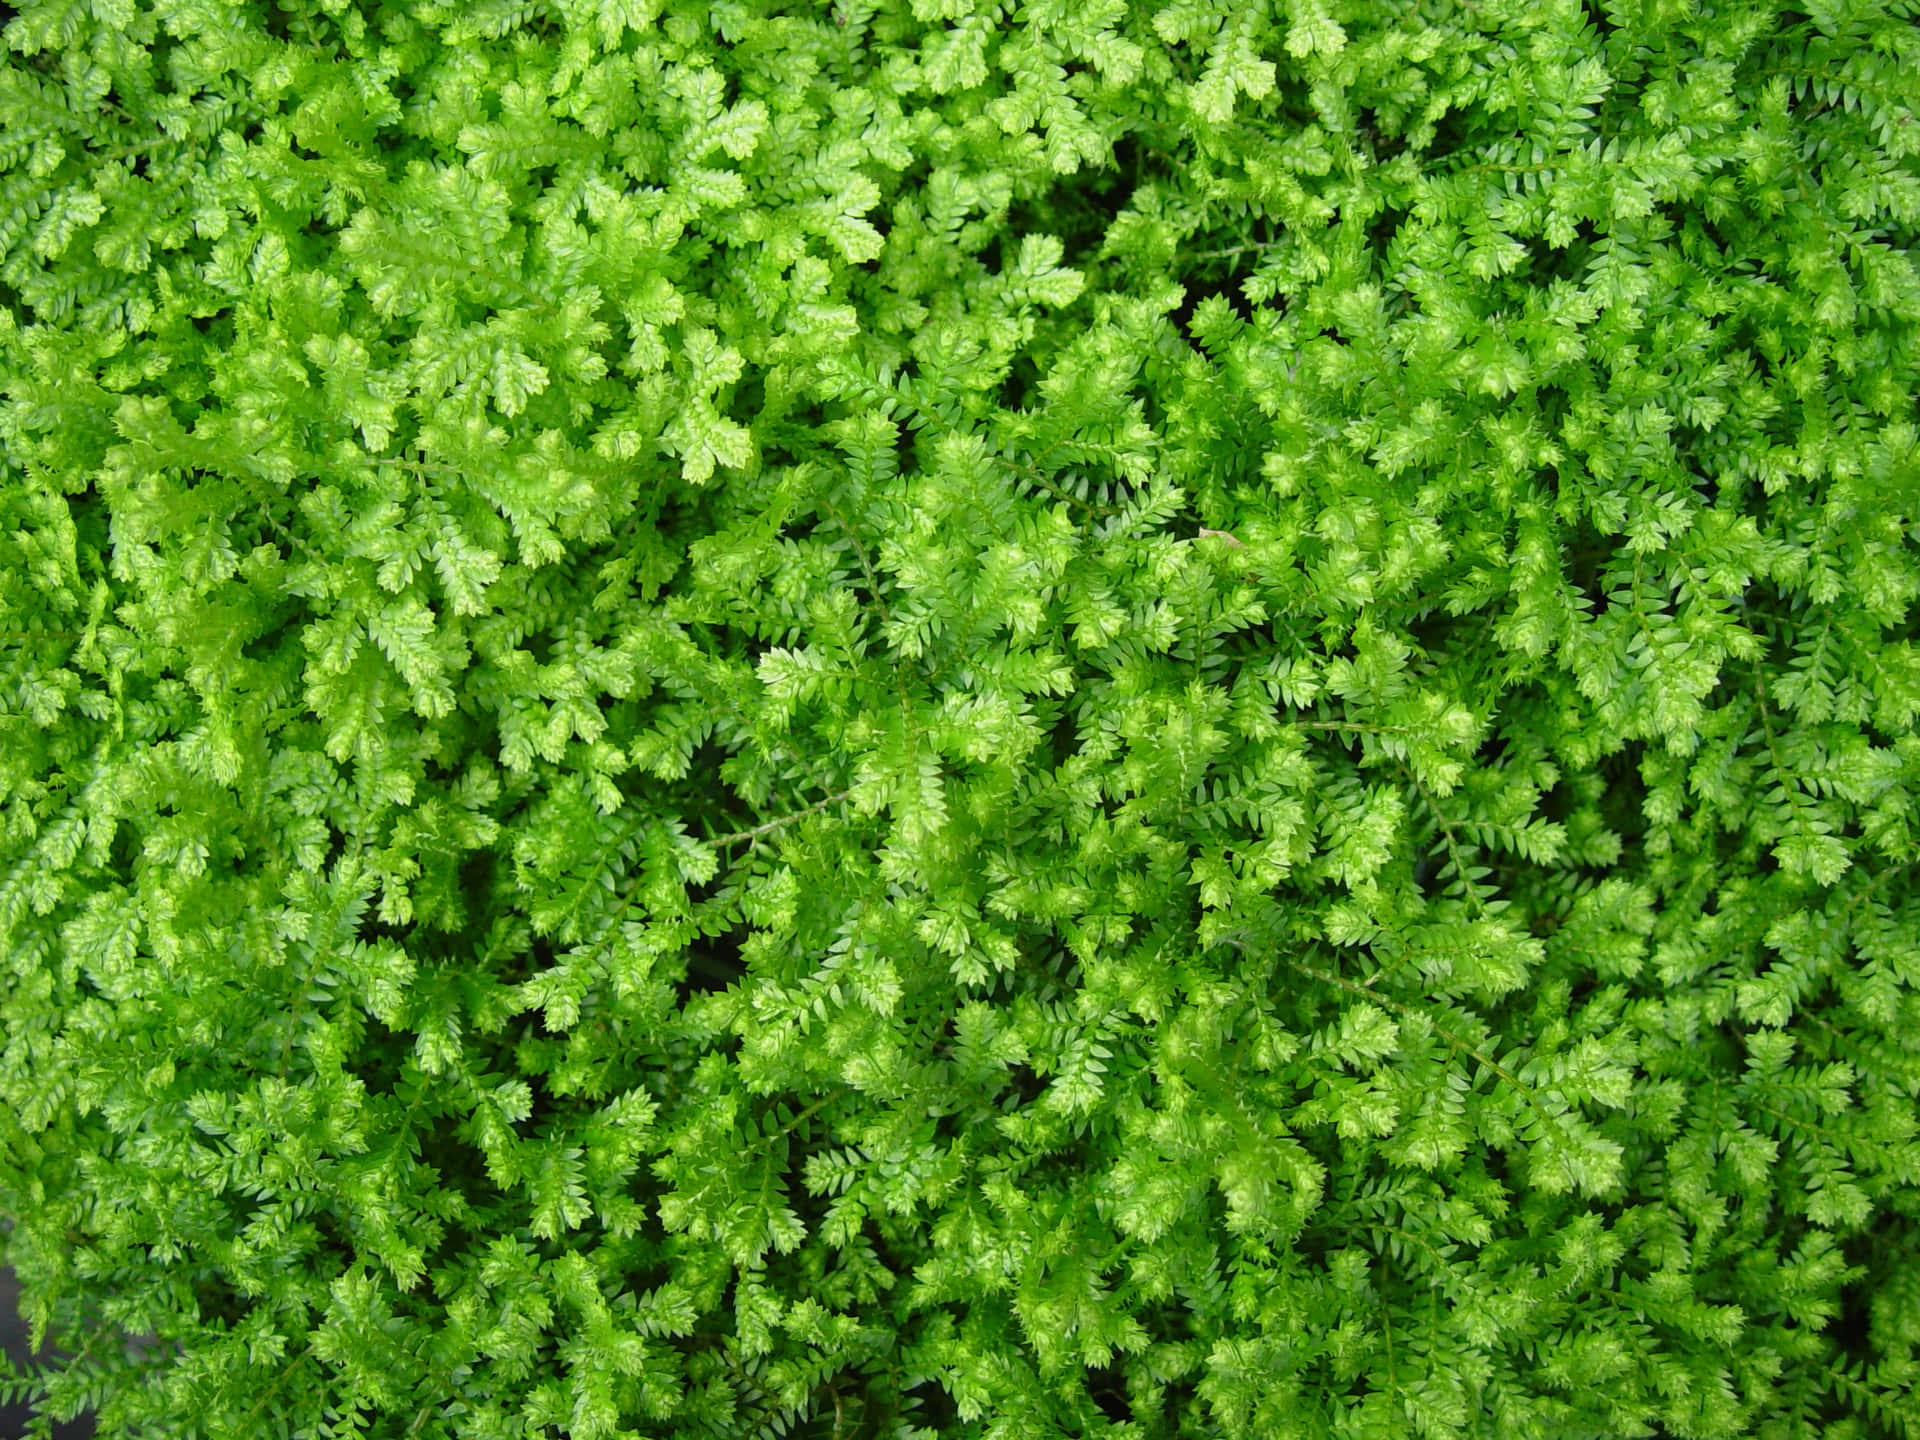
x: 960, y: 719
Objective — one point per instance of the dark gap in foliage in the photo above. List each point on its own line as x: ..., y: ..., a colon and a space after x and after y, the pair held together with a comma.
x: 1492, y: 752
x: 1179, y: 1401
x: 1021, y: 385
x: 713, y: 964
x: 1384, y: 227
x: 276, y: 21
x: 1424, y: 870
x: 1246, y: 648
x: 1181, y: 316
x: 1366, y: 124
x: 1584, y: 554
x: 1107, y: 1385
x: 1045, y: 977
x: 1063, y: 739
x: 907, y: 370
x: 703, y: 891
x: 93, y: 527
x: 1430, y: 630
x: 461, y: 1167
x: 930, y: 1410
x: 533, y: 1058
x: 535, y: 958
x: 382, y: 1051
x: 844, y: 1407
x: 1452, y: 135
x: 1877, y: 1251
x: 1079, y: 211
x: 1129, y: 156
x: 221, y: 1306
x: 1546, y: 263
x: 1558, y: 802
x: 1554, y: 404
x: 1023, y: 1086
x: 749, y: 397
x: 318, y: 228
x: 1488, y: 1163
x: 125, y: 851
x: 15, y: 1337
x: 1620, y: 806
x: 723, y: 808
x: 1064, y: 1168
x: 270, y: 643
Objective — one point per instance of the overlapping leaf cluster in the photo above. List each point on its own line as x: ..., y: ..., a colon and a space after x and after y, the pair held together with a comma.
x: 960, y: 718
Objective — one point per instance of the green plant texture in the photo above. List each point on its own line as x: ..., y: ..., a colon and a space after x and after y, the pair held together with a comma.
x: 1002, y: 719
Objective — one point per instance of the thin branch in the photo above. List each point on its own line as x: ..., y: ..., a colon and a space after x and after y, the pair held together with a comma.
x: 1226, y: 254
x: 1099, y: 512
x: 274, y: 1389
x: 1453, y: 845
x: 759, y: 830
x: 873, y: 580
x: 153, y: 144
x: 813, y: 1109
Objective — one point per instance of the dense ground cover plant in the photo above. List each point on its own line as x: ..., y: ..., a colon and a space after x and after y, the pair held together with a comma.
x: 957, y: 719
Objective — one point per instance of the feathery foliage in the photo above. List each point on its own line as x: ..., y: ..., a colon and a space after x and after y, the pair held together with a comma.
x: 948, y: 718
